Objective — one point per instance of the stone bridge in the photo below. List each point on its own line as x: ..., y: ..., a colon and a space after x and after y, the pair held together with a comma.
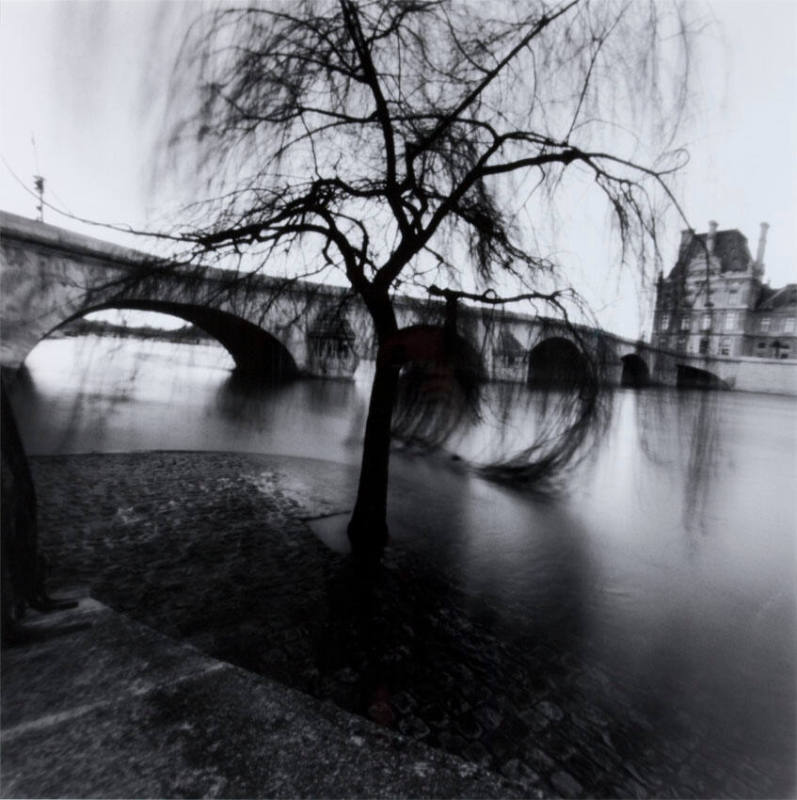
x: 50, y: 276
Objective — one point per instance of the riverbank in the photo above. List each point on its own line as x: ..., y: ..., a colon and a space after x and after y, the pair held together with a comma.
x: 98, y: 705
x: 214, y: 550
x: 186, y: 334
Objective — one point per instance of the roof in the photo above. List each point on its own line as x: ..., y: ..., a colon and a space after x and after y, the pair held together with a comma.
x: 729, y: 246
x: 771, y: 299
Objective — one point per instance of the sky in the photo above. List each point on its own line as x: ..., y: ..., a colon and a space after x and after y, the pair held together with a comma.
x: 81, y: 102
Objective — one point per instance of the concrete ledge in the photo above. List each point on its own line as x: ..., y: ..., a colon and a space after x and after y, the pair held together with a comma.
x: 96, y: 705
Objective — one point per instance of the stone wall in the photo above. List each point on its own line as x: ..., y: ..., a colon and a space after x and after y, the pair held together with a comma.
x: 773, y: 376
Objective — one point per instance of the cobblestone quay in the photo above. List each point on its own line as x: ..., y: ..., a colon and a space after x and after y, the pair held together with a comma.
x: 211, y: 548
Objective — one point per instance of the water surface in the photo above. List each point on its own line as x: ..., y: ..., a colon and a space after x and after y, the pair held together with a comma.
x: 670, y: 559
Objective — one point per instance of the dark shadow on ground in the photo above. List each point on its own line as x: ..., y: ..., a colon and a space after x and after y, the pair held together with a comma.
x: 209, y: 548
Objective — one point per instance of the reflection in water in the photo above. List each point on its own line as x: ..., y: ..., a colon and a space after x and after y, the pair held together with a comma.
x: 671, y: 553
x: 681, y: 432
x: 699, y: 419
x: 295, y: 416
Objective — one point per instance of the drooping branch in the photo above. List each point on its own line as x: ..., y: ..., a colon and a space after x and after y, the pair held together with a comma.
x: 388, y: 139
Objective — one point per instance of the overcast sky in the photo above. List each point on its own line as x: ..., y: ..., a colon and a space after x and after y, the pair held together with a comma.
x: 73, y: 109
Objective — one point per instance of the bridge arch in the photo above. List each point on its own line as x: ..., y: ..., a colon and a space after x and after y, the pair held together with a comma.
x: 255, y: 351
x: 689, y: 377
x: 556, y: 361
x: 636, y: 372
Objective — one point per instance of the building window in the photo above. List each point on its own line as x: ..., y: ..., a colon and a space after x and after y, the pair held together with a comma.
x: 788, y: 325
x: 703, y: 346
x: 780, y: 349
x: 686, y: 322
x: 764, y: 325
x: 731, y: 320
x: 665, y: 322
x: 725, y: 346
x: 682, y: 340
x: 705, y: 322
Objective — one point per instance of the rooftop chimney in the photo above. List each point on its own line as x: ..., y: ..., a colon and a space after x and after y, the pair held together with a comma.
x: 762, y: 244
x: 712, y: 236
x: 686, y: 237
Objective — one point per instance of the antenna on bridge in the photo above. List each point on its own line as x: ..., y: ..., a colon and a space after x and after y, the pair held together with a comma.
x: 38, y: 180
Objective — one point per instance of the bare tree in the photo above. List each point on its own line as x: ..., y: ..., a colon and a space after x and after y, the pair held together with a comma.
x: 422, y: 144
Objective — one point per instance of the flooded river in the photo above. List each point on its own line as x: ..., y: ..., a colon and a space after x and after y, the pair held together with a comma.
x: 672, y: 551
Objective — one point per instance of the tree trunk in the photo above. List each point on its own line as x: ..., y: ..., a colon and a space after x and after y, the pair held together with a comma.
x: 22, y: 564
x: 367, y: 530
x: 18, y: 532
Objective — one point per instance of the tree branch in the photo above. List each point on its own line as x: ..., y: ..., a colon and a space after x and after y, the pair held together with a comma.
x: 490, y: 297
x: 392, y: 193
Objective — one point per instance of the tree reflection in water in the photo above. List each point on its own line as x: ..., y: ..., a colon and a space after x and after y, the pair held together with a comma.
x: 680, y: 430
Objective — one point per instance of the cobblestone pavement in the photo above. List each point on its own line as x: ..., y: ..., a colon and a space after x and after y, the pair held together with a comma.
x: 210, y: 548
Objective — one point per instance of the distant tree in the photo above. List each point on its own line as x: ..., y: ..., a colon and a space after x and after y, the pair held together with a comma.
x: 421, y: 144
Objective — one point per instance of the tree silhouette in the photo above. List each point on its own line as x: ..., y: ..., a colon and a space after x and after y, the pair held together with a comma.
x: 420, y: 145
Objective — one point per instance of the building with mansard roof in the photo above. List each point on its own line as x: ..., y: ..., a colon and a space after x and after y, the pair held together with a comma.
x: 714, y: 302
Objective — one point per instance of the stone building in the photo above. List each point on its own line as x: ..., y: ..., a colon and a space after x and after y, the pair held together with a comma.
x: 714, y: 301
